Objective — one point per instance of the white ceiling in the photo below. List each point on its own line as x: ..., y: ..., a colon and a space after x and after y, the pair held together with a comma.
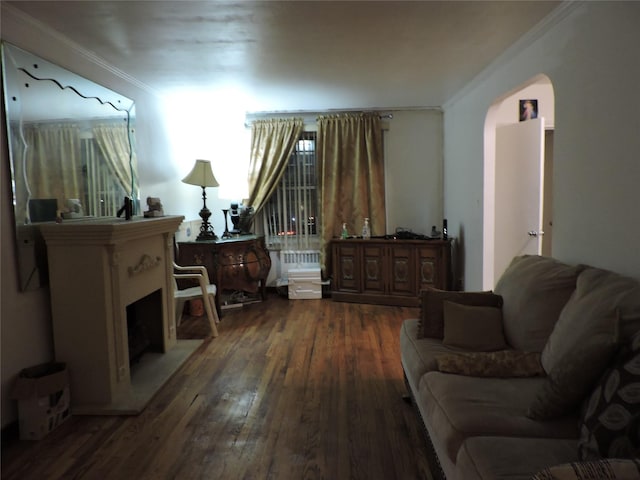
x: 298, y: 55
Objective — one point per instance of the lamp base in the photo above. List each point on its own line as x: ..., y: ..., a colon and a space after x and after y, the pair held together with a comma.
x: 206, y: 229
x: 206, y: 236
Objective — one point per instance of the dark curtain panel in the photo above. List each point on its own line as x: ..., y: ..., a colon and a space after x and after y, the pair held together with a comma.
x: 351, y: 159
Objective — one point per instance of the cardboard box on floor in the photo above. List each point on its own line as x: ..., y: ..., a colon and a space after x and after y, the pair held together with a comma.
x: 305, y: 283
x: 43, y: 398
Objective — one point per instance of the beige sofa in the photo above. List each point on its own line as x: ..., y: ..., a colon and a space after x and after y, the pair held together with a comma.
x: 511, y: 383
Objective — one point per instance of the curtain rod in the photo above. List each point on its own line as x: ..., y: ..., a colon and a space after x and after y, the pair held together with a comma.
x: 386, y: 115
x: 250, y: 117
x: 337, y: 110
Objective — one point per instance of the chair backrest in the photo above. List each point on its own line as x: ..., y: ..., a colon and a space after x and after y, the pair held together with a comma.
x: 175, y: 282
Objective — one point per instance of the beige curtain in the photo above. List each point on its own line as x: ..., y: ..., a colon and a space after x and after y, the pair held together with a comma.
x: 48, y: 165
x: 272, y: 143
x: 350, y: 155
x: 113, y: 141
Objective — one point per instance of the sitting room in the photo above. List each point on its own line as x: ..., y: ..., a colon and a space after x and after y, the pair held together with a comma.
x: 286, y: 239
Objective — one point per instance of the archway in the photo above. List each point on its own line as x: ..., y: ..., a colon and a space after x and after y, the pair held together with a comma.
x: 505, y: 111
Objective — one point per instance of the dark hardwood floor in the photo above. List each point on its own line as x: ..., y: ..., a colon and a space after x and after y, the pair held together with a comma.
x: 305, y: 389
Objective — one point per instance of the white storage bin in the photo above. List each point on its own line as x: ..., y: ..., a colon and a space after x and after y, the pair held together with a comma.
x: 305, y: 283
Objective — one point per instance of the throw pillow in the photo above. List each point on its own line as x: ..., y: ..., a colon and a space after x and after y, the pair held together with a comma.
x: 473, y: 328
x: 502, y: 364
x: 598, y: 295
x: 610, y: 424
x: 609, y: 468
x: 431, y: 320
x: 574, y: 375
x: 534, y: 290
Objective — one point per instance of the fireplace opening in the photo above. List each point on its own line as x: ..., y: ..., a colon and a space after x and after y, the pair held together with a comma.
x: 144, y: 326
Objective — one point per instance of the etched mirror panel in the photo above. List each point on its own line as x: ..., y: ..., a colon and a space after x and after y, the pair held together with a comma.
x: 71, y: 148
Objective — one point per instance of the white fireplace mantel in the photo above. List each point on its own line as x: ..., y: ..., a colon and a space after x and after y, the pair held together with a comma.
x: 97, y: 269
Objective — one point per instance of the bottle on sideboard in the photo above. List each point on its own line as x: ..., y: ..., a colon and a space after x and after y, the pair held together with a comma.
x: 445, y: 233
x: 345, y: 233
x: 366, y: 229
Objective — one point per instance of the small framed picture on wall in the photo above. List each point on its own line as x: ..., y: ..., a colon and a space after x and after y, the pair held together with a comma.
x: 528, y: 109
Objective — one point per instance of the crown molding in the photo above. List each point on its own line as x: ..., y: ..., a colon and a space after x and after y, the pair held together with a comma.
x: 11, y: 16
x: 559, y: 14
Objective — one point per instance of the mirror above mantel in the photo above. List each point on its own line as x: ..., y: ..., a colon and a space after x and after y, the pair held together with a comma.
x: 71, y: 148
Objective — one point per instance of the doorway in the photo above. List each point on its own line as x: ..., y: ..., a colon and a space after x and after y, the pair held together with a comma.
x: 518, y: 201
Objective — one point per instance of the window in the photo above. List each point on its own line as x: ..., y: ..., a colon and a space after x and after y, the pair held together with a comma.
x: 291, y: 214
x: 103, y: 192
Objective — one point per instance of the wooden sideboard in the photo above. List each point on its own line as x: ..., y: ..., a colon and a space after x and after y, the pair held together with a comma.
x: 389, y: 272
x: 239, y: 263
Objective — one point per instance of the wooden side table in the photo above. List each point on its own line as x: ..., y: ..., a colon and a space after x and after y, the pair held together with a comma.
x: 238, y: 263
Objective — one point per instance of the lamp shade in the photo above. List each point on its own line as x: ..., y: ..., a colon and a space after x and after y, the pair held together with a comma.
x: 201, y: 175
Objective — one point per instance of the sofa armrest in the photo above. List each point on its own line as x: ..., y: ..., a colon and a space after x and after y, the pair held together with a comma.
x: 431, y: 320
x: 613, y: 468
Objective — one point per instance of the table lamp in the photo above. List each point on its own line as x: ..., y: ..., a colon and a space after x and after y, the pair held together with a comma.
x: 202, y: 176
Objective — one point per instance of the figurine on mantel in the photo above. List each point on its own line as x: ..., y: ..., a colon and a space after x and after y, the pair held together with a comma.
x: 127, y: 209
x: 155, y: 208
x: 74, y: 209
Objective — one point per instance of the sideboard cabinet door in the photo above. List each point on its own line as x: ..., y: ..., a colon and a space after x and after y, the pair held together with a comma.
x: 402, y: 264
x: 346, y: 267
x: 373, y: 272
x: 434, y: 265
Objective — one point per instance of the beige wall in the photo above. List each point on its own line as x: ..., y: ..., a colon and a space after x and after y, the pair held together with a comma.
x: 25, y: 318
x: 413, y: 169
x: 588, y: 50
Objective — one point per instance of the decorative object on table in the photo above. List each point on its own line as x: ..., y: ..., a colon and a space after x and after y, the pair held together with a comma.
x: 127, y: 209
x: 434, y: 232
x: 226, y: 233
x: 202, y: 176
x: 155, y: 208
x: 366, y: 229
x: 235, y: 218
x: 246, y: 219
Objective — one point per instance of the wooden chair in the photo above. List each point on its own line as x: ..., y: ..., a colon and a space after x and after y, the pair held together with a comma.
x: 206, y: 291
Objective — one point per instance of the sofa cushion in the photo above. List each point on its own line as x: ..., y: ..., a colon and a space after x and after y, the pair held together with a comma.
x: 418, y: 355
x: 606, y: 468
x: 599, y: 295
x: 431, y: 321
x: 610, y: 424
x: 496, y: 458
x: 502, y: 364
x: 534, y: 290
x: 456, y: 407
x: 473, y: 328
x: 573, y: 377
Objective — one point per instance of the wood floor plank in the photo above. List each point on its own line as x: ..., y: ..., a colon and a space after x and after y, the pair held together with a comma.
x: 306, y: 389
